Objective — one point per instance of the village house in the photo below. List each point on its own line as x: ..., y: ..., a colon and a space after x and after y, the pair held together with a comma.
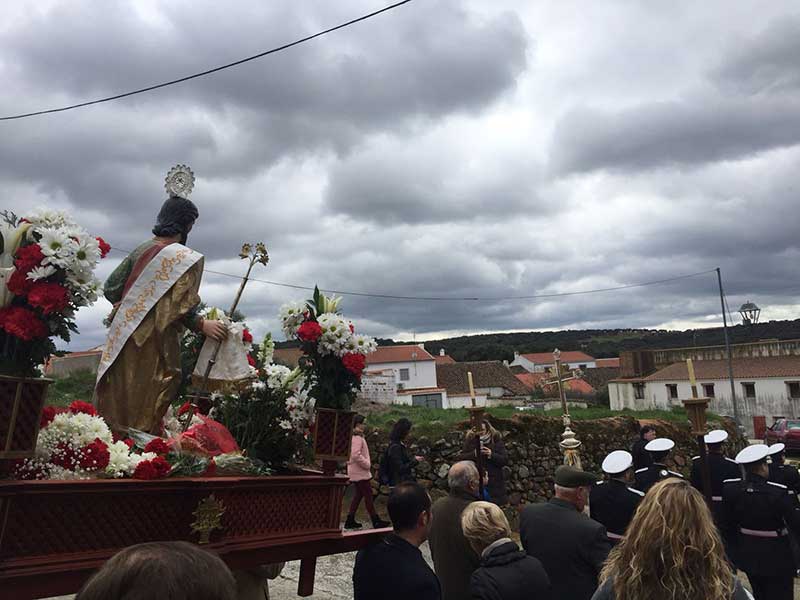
x: 493, y: 382
x: 541, y: 362
x: 404, y: 374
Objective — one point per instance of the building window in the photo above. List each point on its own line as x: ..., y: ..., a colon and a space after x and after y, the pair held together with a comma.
x: 708, y: 390
x: 582, y: 367
x: 749, y: 390
x: 672, y: 391
x: 793, y: 388
x: 404, y: 376
x: 638, y: 391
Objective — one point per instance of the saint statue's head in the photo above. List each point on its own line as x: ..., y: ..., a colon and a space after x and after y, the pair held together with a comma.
x: 176, y: 217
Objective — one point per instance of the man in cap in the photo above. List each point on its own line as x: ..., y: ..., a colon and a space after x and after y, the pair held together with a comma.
x: 720, y: 468
x: 779, y: 471
x: 612, y: 503
x: 571, y: 546
x: 659, y: 450
x: 757, y: 518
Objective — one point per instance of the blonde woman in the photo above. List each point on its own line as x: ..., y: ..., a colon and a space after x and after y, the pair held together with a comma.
x: 505, y: 572
x: 671, y: 551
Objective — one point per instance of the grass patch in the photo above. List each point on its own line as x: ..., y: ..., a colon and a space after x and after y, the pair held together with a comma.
x: 76, y: 386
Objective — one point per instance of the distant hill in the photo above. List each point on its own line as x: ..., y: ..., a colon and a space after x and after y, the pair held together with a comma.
x: 600, y: 343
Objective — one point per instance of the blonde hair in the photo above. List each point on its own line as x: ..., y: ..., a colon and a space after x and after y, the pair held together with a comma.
x: 484, y: 523
x: 671, y: 550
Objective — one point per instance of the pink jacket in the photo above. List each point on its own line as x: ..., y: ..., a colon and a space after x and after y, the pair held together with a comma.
x: 359, y: 463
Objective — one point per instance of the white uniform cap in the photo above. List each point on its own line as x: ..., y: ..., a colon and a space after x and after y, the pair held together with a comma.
x: 752, y: 454
x: 660, y: 445
x: 617, y: 462
x: 716, y: 437
x: 776, y: 448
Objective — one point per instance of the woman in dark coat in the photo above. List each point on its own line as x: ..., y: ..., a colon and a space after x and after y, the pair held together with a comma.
x: 401, y: 464
x: 489, y: 453
x: 506, y: 572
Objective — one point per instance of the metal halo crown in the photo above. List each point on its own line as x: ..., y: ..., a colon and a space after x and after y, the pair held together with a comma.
x: 179, y: 181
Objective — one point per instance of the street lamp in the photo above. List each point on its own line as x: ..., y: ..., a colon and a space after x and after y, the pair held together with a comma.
x: 750, y: 313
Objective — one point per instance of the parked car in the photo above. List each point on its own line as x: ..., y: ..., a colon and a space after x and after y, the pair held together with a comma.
x: 786, y: 431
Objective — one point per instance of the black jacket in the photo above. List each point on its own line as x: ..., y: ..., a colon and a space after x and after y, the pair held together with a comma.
x: 758, y: 505
x: 393, y: 569
x: 507, y: 573
x: 649, y: 476
x: 454, y: 560
x: 571, y: 546
x: 401, y: 465
x: 785, y: 474
x: 612, y: 503
x: 641, y: 457
x: 493, y: 466
x: 720, y: 468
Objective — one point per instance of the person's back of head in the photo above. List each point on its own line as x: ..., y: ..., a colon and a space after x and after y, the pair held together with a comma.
x: 644, y: 431
x: 409, y: 508
x: 400, y: 430
x: 463, y: 478
x: 483, y: 523
x: 174, y: 570
x: 671, y: 549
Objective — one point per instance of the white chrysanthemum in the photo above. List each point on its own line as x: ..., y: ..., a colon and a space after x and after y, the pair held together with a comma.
x: 87, y: 253
x: 46, y: 218
x: 258, y: 385
x: 119, y: 462
x: 292, y: 315
x: 37, y: 273
x: 277, y: 376
x: 284, y: 424
x: 364, y: 344
x: 335, y: 334
x: 54, y: 242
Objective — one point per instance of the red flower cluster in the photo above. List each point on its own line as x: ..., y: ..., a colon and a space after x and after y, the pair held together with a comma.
x: 22, y: 323
x: 19, y: 284
x: 129, y: 443
x: 310, y: 331
x: 79, y: 406
x: 185, y: 407
x: 95, y: 456
x: 247, y: 337
x: 50, y: 297
x: 48, y: 414
x: 28, y: 257
x: 354, y: 363
x: 156, y: 468
x: 105, y: 247
x: 251, y: 361
x: 157, y: 445
x: 65, y: 456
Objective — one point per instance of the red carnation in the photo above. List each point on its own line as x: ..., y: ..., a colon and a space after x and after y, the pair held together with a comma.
x: 19, y: 284
x: 251, y: 361
x: 22, y: 323
x: 352, y: 328
x: 354, y: 363
x: 105, y: 247
x: 247, y: 337
x: 48, y: 414
x: 65, y: 456
x: 128, y: 442
x: 145, y: 470
x: 310, y: 331
x: 161, y: 466
x: 79, y: 406
x: 185, y: 407
x: 95, y: 456
x: 28, y: 257
x: 50, y: 297
x: 157, y: 445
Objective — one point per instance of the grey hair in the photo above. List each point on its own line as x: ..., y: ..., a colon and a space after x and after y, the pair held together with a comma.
x: 462, y: 476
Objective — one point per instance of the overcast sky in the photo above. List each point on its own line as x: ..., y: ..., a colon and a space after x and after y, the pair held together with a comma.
x: 446, y: 148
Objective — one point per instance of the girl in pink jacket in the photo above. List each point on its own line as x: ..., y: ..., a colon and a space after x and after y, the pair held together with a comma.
x: 358, y: 470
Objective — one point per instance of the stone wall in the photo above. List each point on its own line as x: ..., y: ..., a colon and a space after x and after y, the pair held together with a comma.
x: 534, y: 454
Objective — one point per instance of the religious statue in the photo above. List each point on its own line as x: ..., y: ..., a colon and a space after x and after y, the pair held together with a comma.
x: 154, y: 291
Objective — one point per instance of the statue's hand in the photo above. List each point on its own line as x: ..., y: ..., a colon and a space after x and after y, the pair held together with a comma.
x: 216, y: 330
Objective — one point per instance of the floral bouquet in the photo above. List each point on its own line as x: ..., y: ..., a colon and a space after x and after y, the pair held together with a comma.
x: 46, y: 275
x: 334, y: 356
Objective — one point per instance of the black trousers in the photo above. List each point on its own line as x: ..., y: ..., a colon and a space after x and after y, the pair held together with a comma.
x: 772, y: 587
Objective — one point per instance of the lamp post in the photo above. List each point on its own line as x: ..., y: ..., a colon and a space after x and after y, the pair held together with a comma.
x: 569, y: 443
x: 750, y: 313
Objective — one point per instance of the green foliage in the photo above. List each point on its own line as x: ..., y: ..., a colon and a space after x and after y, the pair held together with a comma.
x: 76, y: 386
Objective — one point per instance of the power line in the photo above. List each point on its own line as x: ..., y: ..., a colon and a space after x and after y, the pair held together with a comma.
x: 457, y: 298
x: 209, y: 71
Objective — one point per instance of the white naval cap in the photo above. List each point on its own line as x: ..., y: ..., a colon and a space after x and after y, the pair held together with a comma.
x: 716, y: 436
x: 617, y: 462
x: 660, y: 445
x: 776, y: 448
x: 752, y: 454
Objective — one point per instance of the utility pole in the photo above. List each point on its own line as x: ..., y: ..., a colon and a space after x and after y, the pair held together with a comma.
x: 728, y: 349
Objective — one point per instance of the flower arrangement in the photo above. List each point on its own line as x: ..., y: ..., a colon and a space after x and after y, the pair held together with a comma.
x: 334, y: 356
x: 46, y: 275
x: 76, y: 443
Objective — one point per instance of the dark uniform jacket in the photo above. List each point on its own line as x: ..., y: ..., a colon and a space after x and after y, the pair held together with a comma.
x: 649, y: 476
x: 612, y: 503
x: 571, y: 546
x: 454, y: 560
x: 785, y: 474
x: 492, y: 466
x: 393, y: 569
x: 507, y: 573
x: 720, y: 468
x: 641, y: 457
x: 758, y: 506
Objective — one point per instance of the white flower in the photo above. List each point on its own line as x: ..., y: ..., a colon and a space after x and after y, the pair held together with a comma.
x: 43, y: 217
x: 277, y: 376
x: 284, y: 424
x: 54, y: 242
x: 87, y: 253
x: 266, y: 350
x: 37, y: 273
x: 292, y: 316
x: 258, y: 385
x: 364, y: 344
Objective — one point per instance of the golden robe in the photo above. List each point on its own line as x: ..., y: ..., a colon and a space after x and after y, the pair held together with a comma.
x: 140, y: 384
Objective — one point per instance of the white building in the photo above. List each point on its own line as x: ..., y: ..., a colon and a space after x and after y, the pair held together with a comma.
x: 403, y: 374
x: 493, y: 382
x: 765, y: 387
x: 539, y: 362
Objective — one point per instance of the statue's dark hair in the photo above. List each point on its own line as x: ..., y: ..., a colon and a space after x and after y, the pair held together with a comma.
x: 175, y: 217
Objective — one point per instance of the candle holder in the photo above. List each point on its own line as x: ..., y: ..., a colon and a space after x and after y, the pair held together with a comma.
x: 696, y: 409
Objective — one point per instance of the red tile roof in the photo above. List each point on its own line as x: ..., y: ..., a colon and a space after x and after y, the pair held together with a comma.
x: 568, y: 356
x: 532, y: 380
x: 393, y: 354
x: 607, y: 362
x: 485, y: 374
x: 444, y: 359
x: 743, y: 368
